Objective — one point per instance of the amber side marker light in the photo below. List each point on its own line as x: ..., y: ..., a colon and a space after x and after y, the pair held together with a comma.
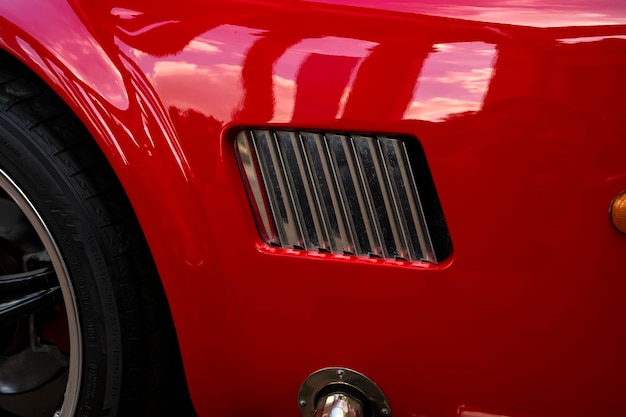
x: 618, y: 212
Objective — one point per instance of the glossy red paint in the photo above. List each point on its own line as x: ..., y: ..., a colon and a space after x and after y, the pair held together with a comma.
x: 521, y: 111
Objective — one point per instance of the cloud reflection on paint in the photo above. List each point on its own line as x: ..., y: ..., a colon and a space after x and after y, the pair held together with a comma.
x: 454, y: 79
x: 287, y: 68
x: 202, y: 45
x: 237, y: 73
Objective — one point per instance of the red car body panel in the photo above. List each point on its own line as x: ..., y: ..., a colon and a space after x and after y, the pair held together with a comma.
x: 521, y: 111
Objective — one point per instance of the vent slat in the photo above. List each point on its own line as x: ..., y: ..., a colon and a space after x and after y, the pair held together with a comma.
x: 307, y: 205
x: 393, y: 239
x: 293, y: 226
x: 390, y: 161
x: 410, y: 202
x: 248, y: 160
x: 330, y: 197
x: 341, y: 177
x: 366, y: 206
x: 316, y: 192
x: 344, y: 194
x: 273, y: 174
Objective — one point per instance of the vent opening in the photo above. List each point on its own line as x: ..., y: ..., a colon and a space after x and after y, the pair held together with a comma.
x: 363, y: 195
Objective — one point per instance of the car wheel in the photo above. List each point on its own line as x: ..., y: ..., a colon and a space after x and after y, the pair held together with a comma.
x: 84, y: 325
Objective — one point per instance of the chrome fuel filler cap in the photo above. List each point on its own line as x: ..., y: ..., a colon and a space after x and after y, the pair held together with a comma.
x: 341, y: 392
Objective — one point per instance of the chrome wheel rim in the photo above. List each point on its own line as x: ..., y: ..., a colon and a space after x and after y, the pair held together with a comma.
x: 68, y: 403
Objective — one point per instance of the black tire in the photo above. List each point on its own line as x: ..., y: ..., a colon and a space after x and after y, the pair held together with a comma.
x: 129, y: 357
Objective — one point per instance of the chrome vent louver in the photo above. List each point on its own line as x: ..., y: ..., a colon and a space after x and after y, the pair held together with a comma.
x: 342, y: 194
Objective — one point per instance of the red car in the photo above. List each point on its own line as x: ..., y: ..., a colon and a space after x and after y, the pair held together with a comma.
x: 317, y: 208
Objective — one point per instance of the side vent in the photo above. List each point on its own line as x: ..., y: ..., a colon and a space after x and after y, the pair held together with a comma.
x: 361, y: 195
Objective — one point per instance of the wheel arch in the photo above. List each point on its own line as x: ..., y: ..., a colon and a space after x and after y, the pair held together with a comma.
x: 111, y: 97
x: 116, y: 104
